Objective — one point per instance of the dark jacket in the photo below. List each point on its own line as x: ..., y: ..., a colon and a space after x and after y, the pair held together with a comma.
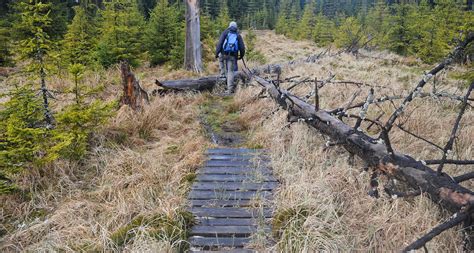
x: 220, y: 44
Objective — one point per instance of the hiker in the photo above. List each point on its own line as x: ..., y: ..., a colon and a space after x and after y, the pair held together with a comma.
x: 229, y: 49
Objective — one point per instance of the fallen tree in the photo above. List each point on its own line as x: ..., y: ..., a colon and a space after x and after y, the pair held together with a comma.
x: 209, y: 82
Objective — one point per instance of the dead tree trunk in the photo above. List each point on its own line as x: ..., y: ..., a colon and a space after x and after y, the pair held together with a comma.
x: 441, y: 189
x: 133, y: 93
x: 193, y: 58
x: 206, y: 83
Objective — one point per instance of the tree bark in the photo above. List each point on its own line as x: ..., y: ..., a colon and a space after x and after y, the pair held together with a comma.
x: 206, y: 83
x: 440, y: 189
x: 193, y: 58
x: 133, y: 93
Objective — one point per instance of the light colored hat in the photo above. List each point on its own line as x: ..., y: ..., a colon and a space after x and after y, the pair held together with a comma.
x: 233, y: 24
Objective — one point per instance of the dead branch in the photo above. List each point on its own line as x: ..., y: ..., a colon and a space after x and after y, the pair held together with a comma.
x: 447, y: 61
x: 449, y: 145
x: 450, y: 161
x: 465, y: 177
x: 418, y: 137
x: 453, y: 221
x: 365, y: 108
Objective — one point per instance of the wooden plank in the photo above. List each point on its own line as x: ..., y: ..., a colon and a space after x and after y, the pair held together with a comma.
x: 231, y: 212
x: 222, y: 163
x: 237, y: 157
x: 199, y: 241
x: 206, y: 221
x: 234, y: 171
x: 224, y: 251
x: 238, y: 231
x: 220, y: 203
x: 230, y: 151
x: 229, y: 195
x: 234, y: 178
x: 234, y: 186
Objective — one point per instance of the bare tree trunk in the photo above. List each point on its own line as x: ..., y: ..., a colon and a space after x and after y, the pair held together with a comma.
x: 193, y: 58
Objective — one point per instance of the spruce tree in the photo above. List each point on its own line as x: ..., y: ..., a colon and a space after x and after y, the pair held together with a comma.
x: 121, y: 33
x: 323, y: 31
x: 35, y: 45
x: 77, y: 122
x: 223, y: 19
x: 348, y: 33
x: 303, y: 30
x: 160, y: 32
x: 5, y: 45
x: 80, y: 40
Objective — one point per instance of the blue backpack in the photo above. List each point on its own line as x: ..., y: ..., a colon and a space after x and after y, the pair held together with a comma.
x: 231, y: 44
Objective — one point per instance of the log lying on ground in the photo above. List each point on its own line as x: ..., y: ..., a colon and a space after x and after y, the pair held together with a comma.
x: 209, y: 82
x: 441, y: 189
x: 200, y: 84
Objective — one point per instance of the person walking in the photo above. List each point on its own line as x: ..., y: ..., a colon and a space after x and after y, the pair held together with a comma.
x: 229, y: 49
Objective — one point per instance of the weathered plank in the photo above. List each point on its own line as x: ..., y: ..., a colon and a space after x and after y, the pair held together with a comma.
x: 224, y: 251
x: 221, y: 203
x: 229, y: 195
x: 234, y: 171
x: 237, y: 231
x: 205, y: 221
x: 234, y: 178
x: 234, y: 186
x: 239, y: 157
x: 218, y: 242
x: 231, y: 212
x: 232, y: 163
x: 231, y: 151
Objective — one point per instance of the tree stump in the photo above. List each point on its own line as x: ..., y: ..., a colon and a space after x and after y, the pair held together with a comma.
x: 133, y: 93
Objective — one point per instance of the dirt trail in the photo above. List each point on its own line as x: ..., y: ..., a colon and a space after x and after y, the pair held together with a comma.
x: 220, y: 117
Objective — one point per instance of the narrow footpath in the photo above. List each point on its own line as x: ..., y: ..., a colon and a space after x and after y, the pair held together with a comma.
x: 231, y: 201
x: 231, y: 198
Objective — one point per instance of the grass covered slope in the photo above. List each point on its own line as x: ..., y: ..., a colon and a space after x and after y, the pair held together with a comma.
x: 127, y: 195
x: 323, y: 203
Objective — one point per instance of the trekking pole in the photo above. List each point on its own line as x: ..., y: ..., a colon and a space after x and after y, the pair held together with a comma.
x: 248, y: 73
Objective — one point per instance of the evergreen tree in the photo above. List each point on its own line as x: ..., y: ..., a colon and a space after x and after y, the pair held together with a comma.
x: 303, y: 30
x: 160, y: 32
x: 323, y: 32
x: 35, y: 45
x: 348, y: 33
x: 223, y: 19
x: 121, y: 33
x: 80, y: 39
x: 398, y: 33
x: 79, y: 120
x: 5, y: 35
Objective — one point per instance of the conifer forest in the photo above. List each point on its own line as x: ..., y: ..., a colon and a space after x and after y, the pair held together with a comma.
x: 349, y: 128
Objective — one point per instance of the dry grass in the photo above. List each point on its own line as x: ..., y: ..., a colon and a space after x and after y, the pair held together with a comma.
x: 136, y: 174
x: 137, y: 168
x: 323, y: 203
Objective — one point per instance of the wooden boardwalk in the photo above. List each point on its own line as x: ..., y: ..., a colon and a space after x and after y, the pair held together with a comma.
x: 231, y: 201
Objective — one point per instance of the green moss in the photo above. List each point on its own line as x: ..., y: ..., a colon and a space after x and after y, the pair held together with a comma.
x: 172, y: 149
x: 89, y: 247
x: 188, y: 178
x: 171, y: 228
x: 124, y: 234
x: 289, y: 219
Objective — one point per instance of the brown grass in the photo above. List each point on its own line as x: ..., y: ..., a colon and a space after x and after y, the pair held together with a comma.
x: 140, y: 163
x: 136, y: 168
